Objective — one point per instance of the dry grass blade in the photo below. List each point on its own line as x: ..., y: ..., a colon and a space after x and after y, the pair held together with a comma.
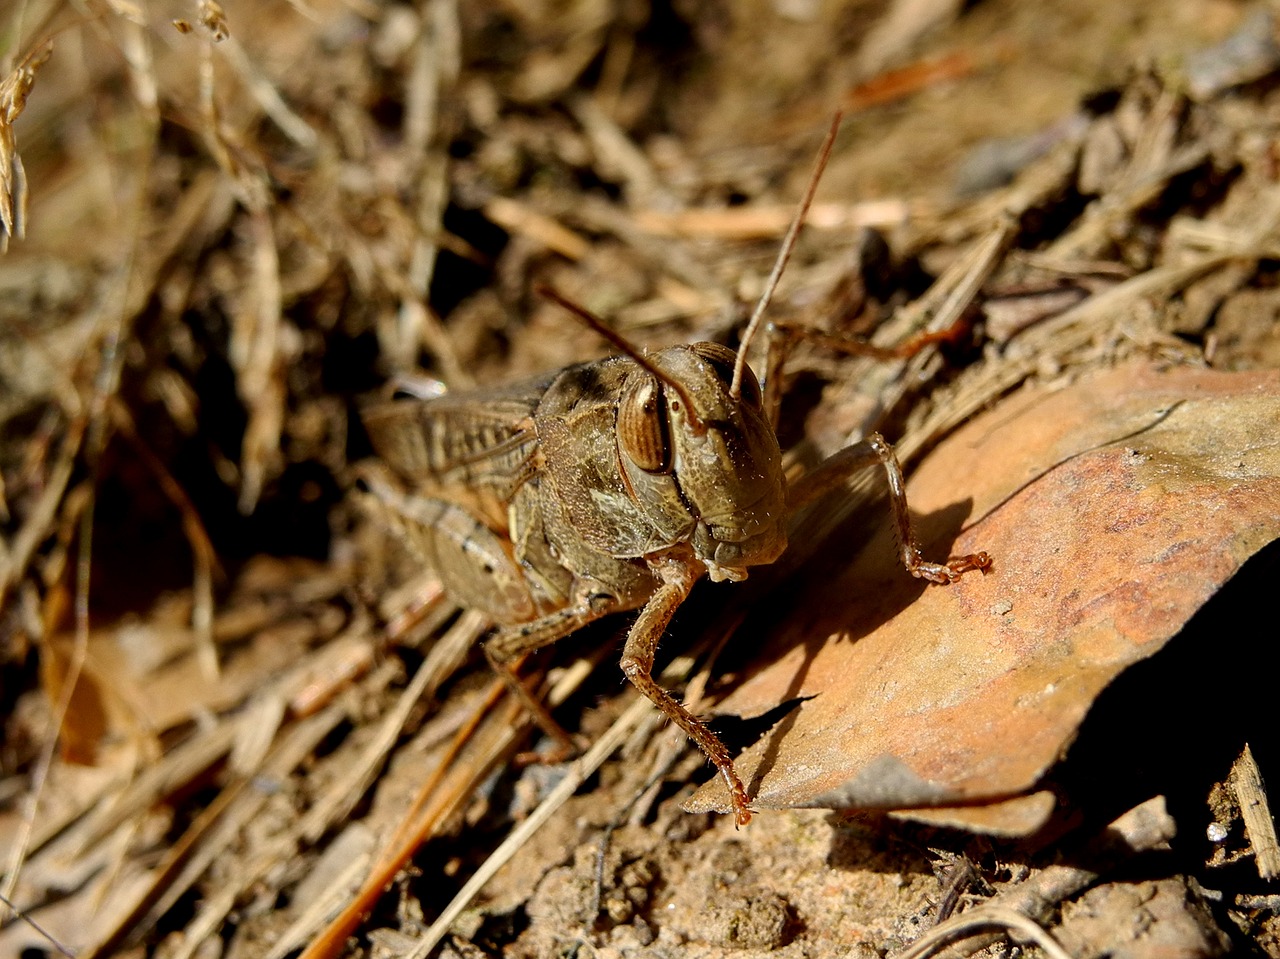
x: 63, y: 688
x: 14, y: 90
x: 23, y: 546
x: 766, y: 222
x: 445, y: 657
x: 220, y: 824
x: 476, y: 748
x: 258, y: 349
x: 579, y: 772
x: 980, y: 920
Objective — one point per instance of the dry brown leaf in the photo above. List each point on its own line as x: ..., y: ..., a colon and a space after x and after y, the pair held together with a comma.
x: 1114, y: 508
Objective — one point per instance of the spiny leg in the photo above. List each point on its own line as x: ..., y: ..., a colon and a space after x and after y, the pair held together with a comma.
x: 782, y: 338
x: 678, y: 577
x: 510, y: 644
x: 838, y: 467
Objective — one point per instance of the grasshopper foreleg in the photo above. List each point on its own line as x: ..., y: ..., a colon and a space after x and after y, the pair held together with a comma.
x: 677, y: 574
x: 837, y: 468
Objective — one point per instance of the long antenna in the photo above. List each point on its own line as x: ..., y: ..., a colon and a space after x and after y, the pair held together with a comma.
x: 784, y: 255
x: 620, y: 343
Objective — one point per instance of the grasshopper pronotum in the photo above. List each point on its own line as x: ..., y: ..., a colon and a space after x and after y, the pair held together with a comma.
x: 609, y: 486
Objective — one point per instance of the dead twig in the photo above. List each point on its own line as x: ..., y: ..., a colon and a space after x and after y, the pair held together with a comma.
x: 578, y: 773
x: 978, y: 921
x: 1021, y: 907
x: 1251, y: 794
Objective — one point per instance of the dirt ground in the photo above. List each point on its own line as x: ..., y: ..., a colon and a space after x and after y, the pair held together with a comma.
x: 240, y: 717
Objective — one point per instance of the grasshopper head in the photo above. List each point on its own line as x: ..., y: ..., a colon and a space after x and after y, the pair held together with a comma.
x: 714, y: 473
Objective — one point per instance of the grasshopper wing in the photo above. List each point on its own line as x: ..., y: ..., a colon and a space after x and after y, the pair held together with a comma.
x: 474, y: 448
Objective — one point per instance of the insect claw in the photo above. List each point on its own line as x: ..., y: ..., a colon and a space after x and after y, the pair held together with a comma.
x: 980, y: 561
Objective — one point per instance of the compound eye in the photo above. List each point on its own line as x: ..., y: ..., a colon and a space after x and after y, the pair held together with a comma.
x: 643, y: 432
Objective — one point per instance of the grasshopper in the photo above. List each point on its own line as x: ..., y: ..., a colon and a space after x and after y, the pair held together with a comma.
x: 609, y: 486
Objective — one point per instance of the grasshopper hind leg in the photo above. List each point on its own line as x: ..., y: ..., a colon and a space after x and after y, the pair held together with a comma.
x: 875, y: 450
x: 510, y: 644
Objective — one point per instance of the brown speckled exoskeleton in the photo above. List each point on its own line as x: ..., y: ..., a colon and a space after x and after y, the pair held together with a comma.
x: 607, y: 486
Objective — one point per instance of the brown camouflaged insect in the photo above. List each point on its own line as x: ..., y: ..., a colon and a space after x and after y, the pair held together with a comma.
x: 609, y: 486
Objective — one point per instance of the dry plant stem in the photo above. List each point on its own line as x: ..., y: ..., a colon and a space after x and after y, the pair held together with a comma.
x: 941, y: 310
x: 14, y: 90
x: 783, y: 336
x: 1251, y: 794
x: 980, y: 920
x: 617, y: 152
x: 425, y: 599
x: 516, y: 217
x: 40, y: 519
x: 1056, y: 338
x: 179, y: 766
x: 352, y: 869
x: 434, y: 69
x: 762, y: 222
x: 485, y: 740
x: 578, y: 773
x: 164, y: 874
x: 948, y: 302
x: 1142, y: 829
x: 95, y: 442
x: 203, y: 555
x: 218, y: 826
x: 114, y: 326
x: 269, y: 99
x: 256, y: 348
x: 441, y: 794
x: 601, y: 216
x: 410, y: 833
x: 443, y: 660
x: 293, y: 749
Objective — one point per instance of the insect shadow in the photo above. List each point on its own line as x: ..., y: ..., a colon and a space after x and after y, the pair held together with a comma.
x: 793, y: 605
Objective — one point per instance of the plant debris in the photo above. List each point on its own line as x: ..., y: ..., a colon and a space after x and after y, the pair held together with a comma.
x: 239, y: 721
